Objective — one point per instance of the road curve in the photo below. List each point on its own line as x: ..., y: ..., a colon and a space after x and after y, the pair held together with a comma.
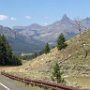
x: 9, y: 84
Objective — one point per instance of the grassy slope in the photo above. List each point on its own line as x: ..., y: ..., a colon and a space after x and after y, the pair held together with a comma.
x: 72, y: 55
x: 71, y: 60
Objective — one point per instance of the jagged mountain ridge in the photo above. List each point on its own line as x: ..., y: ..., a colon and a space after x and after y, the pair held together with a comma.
x: 50, y: 33
x: 33, y: 37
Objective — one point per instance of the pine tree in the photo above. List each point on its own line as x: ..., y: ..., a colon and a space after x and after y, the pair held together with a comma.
x: 47, y: 48
x: 3, y: 56
x: 6, y: 55
x: 57, y: 74
x: 61, y: 42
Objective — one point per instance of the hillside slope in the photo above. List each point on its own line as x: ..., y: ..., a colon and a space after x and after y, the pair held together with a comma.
x: 74, y: 54
x: 74, y: 64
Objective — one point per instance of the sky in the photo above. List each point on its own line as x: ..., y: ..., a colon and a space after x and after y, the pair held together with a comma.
x: 44, y: 12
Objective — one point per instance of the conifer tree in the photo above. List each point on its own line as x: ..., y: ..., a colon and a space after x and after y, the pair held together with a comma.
x: 57, y: 74
x: 6, y: 55
x: 47, y: 48
x: 61, y: 42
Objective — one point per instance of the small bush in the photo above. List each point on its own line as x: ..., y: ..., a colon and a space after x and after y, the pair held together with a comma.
x: 57, y: 74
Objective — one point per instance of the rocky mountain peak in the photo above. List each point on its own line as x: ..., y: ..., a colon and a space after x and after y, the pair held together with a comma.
x: 65, y: 19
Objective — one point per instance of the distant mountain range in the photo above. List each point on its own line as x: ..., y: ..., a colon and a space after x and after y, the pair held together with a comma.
x: 33, y: 37
x: 20, y: 44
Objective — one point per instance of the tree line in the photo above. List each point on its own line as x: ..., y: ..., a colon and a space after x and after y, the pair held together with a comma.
x: 6, y: 55
x: 60, y: 44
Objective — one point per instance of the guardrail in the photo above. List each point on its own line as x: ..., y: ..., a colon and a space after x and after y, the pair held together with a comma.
x: 40, y: 83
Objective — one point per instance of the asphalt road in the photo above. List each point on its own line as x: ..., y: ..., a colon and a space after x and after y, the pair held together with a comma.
x: 9, y: 84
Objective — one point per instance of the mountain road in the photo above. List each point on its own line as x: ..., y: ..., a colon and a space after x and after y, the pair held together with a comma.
x: 9, y: 84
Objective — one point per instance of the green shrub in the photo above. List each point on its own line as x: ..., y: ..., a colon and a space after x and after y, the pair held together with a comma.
x: 57, y: 74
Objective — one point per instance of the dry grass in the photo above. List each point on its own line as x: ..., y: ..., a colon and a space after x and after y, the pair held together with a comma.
x: 82, y: 82
x: 71, y: 60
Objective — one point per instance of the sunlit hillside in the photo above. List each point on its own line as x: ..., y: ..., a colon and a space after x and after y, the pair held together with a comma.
x: 74, y: 61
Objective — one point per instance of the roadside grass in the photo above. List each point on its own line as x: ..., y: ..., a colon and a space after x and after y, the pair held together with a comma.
x: 71, y: 60
x: 81, y: 82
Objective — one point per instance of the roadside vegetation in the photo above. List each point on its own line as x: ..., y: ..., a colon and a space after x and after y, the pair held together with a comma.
x: 75, y: 68
x: 6, y: 55
x: 57, y: 74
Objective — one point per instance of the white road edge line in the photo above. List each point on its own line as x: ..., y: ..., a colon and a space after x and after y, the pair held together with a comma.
x: 4, y: 86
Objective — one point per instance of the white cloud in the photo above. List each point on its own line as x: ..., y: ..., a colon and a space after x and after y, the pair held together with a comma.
x: 28, y: 17
x: 13, y: 19
x: 3, y: 17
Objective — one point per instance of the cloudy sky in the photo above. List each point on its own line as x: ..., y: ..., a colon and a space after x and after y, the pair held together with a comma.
x: 26, y: 12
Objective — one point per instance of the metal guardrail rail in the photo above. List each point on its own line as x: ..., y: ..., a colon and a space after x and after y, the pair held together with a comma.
x: 40, y: 83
